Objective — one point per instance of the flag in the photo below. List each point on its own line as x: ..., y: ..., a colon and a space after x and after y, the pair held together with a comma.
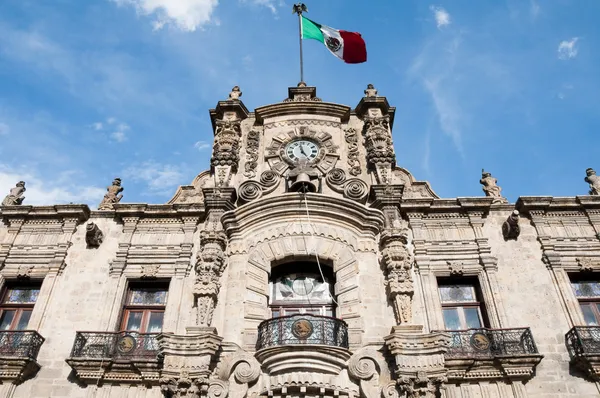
x: 347, y: 46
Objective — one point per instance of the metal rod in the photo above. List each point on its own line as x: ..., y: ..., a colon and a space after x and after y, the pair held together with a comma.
x: 299, y: 8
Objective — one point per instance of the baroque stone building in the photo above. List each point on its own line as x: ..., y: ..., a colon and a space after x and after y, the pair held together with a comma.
x: 304, y: 263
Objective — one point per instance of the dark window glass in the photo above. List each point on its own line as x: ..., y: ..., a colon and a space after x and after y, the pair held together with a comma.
x: 144, y: 308
x: 587, y: 292
x: 16, y: 304
x: 461, y: 307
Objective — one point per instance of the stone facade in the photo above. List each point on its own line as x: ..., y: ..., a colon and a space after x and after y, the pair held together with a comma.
x: 301, y: 185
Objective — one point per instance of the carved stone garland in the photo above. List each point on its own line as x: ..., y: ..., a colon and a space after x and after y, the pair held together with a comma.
x: 379, y: 145
x: 397, y: 261
x: 210, y: 265
x: 252, y: 146
x: 351, y: 137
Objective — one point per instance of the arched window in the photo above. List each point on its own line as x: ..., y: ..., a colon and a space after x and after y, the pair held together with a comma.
x: 299, y: 288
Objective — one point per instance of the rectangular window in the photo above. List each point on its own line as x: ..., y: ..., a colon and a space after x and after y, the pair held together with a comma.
x: 144, y: 307
x: 16, y: 305
x: 462, y: 307
x: 587, y: 292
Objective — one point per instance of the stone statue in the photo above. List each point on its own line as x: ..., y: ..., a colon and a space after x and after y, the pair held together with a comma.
x: 235, y: 93
x: 112, y: 196
x: 398, y: 266
x: 93, y: 235
x: 15, y: 197
x: 594, y: 181
x: 510, y: 227
x: 371, y: 91
x: 491, y: 188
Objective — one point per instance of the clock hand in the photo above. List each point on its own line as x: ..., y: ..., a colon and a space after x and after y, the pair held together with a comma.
x: 302, y: 150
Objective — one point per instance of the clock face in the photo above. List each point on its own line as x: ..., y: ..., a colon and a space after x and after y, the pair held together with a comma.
x: 302, y: 149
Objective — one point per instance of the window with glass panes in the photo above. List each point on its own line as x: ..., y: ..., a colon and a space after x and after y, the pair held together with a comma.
x: 588, y: 295
x: 16, y: 305
x: 461, y: 307
x: 144, y: 308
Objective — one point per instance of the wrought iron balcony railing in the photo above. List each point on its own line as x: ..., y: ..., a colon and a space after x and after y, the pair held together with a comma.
x: 20, y: 344
x: 115, y: 345
x: 489, y: 343
x: 302, y: 329
x: 583, y: 340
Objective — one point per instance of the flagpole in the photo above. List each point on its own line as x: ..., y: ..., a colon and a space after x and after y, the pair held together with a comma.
x: 298, y: 8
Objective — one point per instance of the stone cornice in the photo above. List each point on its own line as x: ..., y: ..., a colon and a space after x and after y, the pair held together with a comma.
x: 79, y: 212
x: 236, y: 106
x: 303, y: 107
x: 455, y: 205
x: 375, y: 102
x: 551, y: 203
x: 291, y: 205
x: 144, y: 210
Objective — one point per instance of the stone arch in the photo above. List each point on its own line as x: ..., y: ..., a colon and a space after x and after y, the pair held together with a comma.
x: 341, y: 256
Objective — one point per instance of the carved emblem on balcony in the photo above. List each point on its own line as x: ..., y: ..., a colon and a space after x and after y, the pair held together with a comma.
x: 93, y: 235
x: 302, y: 329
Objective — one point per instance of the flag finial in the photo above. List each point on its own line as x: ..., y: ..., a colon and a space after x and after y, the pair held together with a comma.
x: 299, y: 8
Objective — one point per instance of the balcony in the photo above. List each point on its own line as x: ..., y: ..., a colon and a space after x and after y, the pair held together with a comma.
x: 302, y: 329
x: 309, y: 341
x: 583, y: 344
x: 18, y: 354
x: 115, y: 356
x: 492, y: 353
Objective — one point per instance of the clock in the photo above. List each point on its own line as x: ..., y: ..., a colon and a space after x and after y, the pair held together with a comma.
x: 302, y: 149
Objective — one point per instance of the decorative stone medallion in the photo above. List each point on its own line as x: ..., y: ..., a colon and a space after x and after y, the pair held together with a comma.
x: 302, y: 328
x: 480, y: 342
x: 126, y: 344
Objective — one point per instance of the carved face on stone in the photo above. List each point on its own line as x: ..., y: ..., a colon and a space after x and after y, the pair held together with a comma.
x: 590, y: 172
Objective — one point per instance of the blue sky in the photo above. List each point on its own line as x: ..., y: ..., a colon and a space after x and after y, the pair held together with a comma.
x: 91, y: 90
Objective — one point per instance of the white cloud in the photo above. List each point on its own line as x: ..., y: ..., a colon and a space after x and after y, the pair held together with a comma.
x: 161, y: 179
x: 270, y: 4
x: 4, y: 129
x: 202, y: 145
x: 97, y: 126
x: 442, y: 17
x: 111, y: 120
x: 118, y: 136
x: 187, y: 15
x: 567, y: 49
x: 42, y: 191
x: 534, y: 8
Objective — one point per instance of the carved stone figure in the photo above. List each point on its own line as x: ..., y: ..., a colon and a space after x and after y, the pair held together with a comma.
x: 491, y: 188
x: 594, y: 181
x: 93, y: 235
x: 112, y: 196
x: 398, y: 266
x: 235, y: 93
x: 15, y: 197
x: 227, y: 143
x: 210, y: 265
x: 510, y: 227
x: 380, y: 148
x: 371, y: 91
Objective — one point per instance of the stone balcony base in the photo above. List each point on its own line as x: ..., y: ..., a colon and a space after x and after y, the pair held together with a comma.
x: 16, y: 369
x: 132, y: 371
x: 518, y: 367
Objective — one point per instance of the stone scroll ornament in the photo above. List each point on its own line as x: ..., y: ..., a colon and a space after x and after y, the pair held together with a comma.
x: 240, y: 370
x: 252, y: 146
x: 398, y: 268
x: 112, y: 196
x: 210, y: 264
x: 380, y: 148
x: 594, y: 181
x: 15, y: 197
x: 352, y: 188
x: 371, y: 370
x: 351, y: 137
x: 490, y: 187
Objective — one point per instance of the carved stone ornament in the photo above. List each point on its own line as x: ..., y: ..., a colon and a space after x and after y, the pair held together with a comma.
x: 510, y: 227
x: 93, y: 235
x: 371, y: 91
x: 252, y: 146
x: 352, y: 188
x: 112, y: 196
x: 302, y: 93
x: 149, y: 271
x: 490, y: 187
x: 421, y: 385
x: 379, y: 146
x: 304, y: 177
x: 594, y: 181
x: 210, y: 264
x: 15, y: 197
x: 235, y: 93
x: 227, y: 144
x: 371, y: 370
x: 179, y: 387
x: 252, y: 190
x: 455, y: 268
x: 351, y: 136
x: 586, y: 264
x: 241, y: 370
x: 398, y: 261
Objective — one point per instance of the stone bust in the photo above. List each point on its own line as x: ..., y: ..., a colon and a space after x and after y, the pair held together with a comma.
x: 594, y: 181
x: 371, y: 91
x: 15, y: 197
x: 235, y: 93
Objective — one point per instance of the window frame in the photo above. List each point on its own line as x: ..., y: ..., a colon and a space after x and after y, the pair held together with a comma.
x: 478, y: 304
x: 593, y: 301
x: 146, y: 309
x: 19, y: 308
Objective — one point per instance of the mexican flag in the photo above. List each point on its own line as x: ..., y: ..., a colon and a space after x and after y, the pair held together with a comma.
x: 347, y: 46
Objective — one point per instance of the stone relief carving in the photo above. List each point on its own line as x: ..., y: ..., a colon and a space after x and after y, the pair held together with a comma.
x: 490, y: 187
x: 455, y: 268
x: 586, y: 264
x: 379, y: 146
x: 179, y: 387
x: 352, y: 188
x: 398, y: 261
x: 302, y: 96
x: 149, y: 271
x: 235, y: 93
x: 594, y: 181
x: 210, y: 264
x: 112, y: 196
x: 371, y: 91
x: 301, y: 177
x: 421, y: 386
x: 252, y: 146
x: 371, y: 370
x: 225, y: 157
x: 93, y: 235
x: 240, y: 369
x: 252, y: 190
x: 351, y: 136
x: 510, y: 227
x: 15, y: 197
